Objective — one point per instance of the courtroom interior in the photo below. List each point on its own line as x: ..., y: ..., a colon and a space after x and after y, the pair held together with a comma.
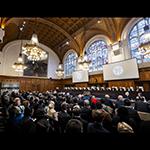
x: 75, y: 75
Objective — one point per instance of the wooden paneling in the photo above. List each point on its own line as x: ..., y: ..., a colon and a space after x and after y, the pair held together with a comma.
x: 125, y: 83
x: 43, y: 84
x: 146, y: 86
x: 81, y: 84
x: 96, y: 79
x: 32, y: 84
x: 145, y: 75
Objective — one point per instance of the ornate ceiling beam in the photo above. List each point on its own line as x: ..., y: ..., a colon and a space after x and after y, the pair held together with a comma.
x: 49, y: 23
x: 89, y: 24
x: 111, y: 28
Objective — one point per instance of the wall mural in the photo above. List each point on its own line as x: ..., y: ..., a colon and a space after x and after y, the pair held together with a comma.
x: 38, y: 69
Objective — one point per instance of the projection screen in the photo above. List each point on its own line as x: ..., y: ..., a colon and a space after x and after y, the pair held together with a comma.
x: 80, y: 76
x: 126, y: 69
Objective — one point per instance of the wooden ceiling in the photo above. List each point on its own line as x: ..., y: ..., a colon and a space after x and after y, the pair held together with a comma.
x: 55, y: 31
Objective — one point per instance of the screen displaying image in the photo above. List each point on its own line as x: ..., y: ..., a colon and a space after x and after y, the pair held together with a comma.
x: 80, y: 76
x: 126, y: 69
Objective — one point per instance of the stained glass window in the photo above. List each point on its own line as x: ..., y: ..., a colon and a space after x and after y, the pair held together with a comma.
x: 70, y: 63
x: 97, y: 52
x: 136, y: 38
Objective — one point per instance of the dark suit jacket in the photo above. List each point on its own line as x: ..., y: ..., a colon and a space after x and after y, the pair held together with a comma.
x: 96, y: 128
x: 142, y: 106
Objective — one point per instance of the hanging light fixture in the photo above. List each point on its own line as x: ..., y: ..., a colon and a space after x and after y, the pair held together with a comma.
x: 84, y: 62
x: 60, y: 71
x: 33, y: 51
x: 19, y: 65
x: 144, y: 47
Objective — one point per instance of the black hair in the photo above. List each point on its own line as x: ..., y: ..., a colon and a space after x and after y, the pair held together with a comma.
x: 122, y: 113
x: 74, y: 126
x: 127, y: 102
x: 99, y: 105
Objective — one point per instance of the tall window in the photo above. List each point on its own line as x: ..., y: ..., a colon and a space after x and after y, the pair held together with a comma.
x: 97, y: 52
x: 70, y: 63
x: 136, y: 38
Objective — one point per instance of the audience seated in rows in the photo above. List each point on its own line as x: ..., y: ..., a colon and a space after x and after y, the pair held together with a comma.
x: 59, y: 112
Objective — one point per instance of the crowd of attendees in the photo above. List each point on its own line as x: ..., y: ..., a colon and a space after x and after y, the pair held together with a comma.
x: 59, y: 112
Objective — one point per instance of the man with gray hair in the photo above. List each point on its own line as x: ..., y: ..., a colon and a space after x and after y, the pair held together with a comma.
x: 107, y: 101
x: 86, y: 111
x: 120, y: 101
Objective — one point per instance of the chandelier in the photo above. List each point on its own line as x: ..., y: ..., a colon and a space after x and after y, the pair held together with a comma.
x: 144, y: 47
x: 33, y: 51
x: 84, y: 62
x: 60, y: 71
x: 19, y: 65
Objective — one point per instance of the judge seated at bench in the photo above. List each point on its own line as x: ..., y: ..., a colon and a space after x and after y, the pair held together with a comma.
x: 140, y: 97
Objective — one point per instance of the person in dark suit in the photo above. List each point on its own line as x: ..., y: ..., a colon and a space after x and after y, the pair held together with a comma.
x: 107, y: 101
x: 86, y: 111
x: 122, y: 115
x: 120, y: 102
x: 96, y: 127
x: 127, y: 95
x: 133, y: 114
x: 140, y: 105
x: 63, y: 117
x: 140, y: 97
x: 27, y: 125
x: 74, y: 126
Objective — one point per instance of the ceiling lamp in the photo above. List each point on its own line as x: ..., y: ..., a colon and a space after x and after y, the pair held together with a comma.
x: 144, y: 47
x: 84, y: 62
x: 60, y: 71
x: 33, y: 51
x: 19, y: 65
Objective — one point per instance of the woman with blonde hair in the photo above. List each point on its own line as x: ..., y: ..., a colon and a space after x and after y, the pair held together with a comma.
x: 51, y: 112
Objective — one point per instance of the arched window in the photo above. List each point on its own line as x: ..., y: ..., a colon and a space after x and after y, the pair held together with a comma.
x: 135, y: 38
x: 97, y: 52
x: 70, y: 63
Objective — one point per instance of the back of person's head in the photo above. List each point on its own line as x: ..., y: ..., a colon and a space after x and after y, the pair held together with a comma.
x: 127, y: 102
x: 27, y: 112
x: 127, y: 93
x: 122, y: 112
x: 107, y: 96
x: 76, y: 110
x: 86, y: 102
x: 99, y: 105
x: 36, y: 100
x: 97, y: 115
x: 74, y: 126
x: 75, y: 100
x: 39, y: 113
x: 64, y: 106
x: 51, y: 104
x: 120, y: 97
x: 26, y: 103
x: 17, y: 101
